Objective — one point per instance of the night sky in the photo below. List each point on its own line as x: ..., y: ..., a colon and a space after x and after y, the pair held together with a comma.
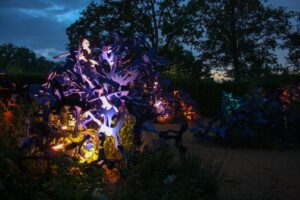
x: 40, y: 24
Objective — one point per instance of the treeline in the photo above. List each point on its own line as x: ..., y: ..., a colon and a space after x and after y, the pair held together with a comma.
x: 235, y: 36
x: 23, y: 61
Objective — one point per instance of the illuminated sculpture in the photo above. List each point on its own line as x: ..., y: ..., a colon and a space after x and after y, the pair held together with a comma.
x: 248, y: 116
x: 99, y: 86
x: 102, y: 85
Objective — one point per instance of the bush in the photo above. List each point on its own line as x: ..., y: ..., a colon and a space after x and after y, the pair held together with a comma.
x: 208, y: 93
x: 161, y: 175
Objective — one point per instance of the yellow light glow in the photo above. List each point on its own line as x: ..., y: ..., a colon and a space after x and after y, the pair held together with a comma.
x: 58, y: 147
x: 86, y: 45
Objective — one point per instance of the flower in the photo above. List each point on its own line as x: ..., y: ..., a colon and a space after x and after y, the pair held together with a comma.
x: 8, y: 116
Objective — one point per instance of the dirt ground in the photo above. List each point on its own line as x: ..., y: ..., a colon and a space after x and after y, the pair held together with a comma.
x: 251, y: 174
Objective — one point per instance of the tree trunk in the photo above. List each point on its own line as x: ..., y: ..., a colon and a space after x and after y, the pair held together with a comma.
x: 233, y: 42
x: 155, y: 44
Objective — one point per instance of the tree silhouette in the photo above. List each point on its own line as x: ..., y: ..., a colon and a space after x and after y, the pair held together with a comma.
x: 293, y: 43
x: 21, y: 59
x: 241, y: 36
x: 167, y: 26
x: 238, y: 37
x: 163, y: 22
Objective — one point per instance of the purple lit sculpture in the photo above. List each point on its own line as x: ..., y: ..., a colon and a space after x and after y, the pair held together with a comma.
x: 101, y: 85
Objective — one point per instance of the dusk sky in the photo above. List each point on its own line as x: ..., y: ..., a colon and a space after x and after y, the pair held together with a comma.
x: 40, y: 24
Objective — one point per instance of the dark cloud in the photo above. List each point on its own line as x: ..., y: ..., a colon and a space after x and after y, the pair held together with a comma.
x: 42, y: 4
x: 32, y: 32
x: 38, y: 24
x: 7, y: 4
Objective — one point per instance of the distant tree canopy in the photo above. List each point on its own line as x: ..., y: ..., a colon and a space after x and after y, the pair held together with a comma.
x: 163, y: 22
x: 241, y: 36
x: 166, y: 25
x: 21, y: 60
x: 237, y: 36
x: 293, y: 43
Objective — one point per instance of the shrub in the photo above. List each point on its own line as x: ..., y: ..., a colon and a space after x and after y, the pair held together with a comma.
x: 161, y: 175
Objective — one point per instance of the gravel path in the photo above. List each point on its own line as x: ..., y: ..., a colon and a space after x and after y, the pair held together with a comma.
x: 251, y: 174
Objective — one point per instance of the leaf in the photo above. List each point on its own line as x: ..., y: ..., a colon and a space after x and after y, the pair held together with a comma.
x: 145, y: 58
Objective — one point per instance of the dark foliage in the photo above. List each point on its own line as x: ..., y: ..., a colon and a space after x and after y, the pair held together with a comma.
x: 21, y: 60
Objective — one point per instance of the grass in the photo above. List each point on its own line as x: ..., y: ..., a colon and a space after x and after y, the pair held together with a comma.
x: 161, y: 175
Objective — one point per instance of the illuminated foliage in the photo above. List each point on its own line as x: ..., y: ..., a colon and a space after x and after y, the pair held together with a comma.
x: 107, y: 95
